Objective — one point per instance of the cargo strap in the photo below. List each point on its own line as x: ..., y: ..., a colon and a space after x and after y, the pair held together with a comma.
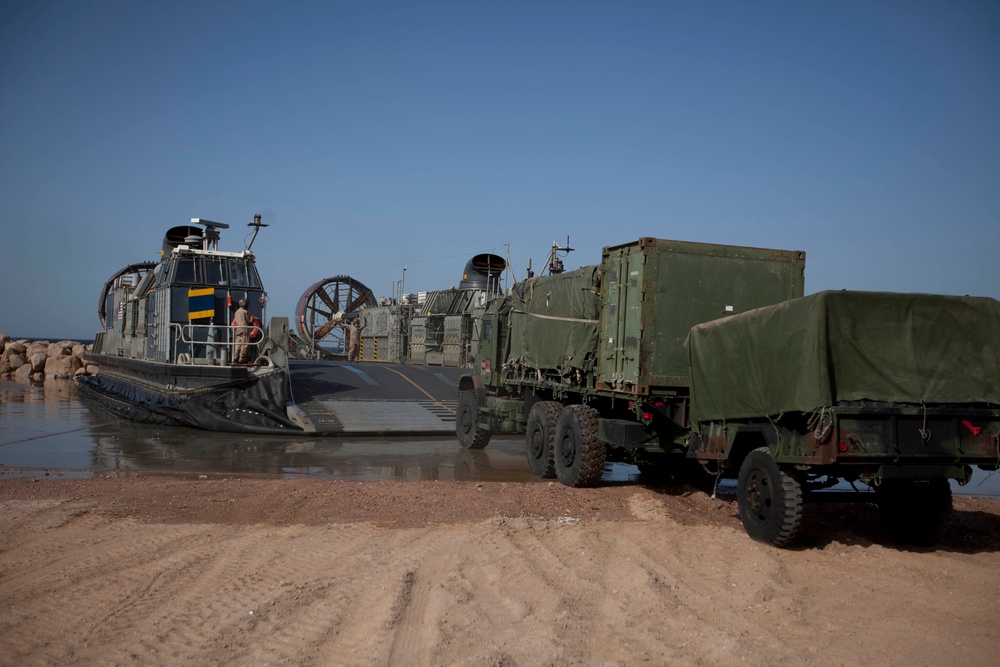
x: 553, y: 317
x: 924, y: 433
x: 821, y: 422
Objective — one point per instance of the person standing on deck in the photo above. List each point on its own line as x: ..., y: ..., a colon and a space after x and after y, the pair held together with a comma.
x: 243, y: 322
x: 353, y: 331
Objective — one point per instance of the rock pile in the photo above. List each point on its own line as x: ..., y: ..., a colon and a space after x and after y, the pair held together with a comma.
x: 40, y: 359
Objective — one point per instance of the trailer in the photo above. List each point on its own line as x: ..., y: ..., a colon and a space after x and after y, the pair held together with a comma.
x: 898, y: 391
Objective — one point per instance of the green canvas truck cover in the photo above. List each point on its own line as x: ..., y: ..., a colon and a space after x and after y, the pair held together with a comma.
x: 553, y: 320
x: 830, y: 347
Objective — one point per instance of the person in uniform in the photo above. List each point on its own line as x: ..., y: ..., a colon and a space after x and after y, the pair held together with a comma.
x: 353, y: 331
x: 243, y: 321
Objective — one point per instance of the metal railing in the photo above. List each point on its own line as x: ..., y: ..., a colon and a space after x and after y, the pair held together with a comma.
x: 208, y: 344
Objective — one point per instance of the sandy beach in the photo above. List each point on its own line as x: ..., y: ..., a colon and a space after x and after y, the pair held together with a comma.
x: 227, y: 570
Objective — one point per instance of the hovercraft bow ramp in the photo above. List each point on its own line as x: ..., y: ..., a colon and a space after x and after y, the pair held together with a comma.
x: 376, y: 399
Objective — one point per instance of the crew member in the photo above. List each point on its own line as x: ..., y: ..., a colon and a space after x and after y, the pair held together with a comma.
x: 353, y: 331
x: 243, y: 323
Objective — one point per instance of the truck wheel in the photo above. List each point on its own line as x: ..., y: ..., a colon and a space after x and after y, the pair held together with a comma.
x: 540, y: 438
x: 770, y: 499
x: 579, y: 455
x: 915, y: 511
x: 467, y: 428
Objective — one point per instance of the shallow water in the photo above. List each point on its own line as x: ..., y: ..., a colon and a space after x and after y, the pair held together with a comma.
x: 46, y: 431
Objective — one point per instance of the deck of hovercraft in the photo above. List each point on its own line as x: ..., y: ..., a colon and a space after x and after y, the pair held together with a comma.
x: 366, y: 398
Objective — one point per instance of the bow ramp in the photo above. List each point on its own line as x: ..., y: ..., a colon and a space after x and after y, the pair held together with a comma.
x: 341, y: 398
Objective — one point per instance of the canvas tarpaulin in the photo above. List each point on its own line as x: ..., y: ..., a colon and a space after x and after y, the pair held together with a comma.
x: 553, y: 320
x: 846, y: 346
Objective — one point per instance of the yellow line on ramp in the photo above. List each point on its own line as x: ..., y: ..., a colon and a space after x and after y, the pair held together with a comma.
x: 420, y: 389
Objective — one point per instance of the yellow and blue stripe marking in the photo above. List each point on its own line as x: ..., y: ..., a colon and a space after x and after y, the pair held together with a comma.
x: 201, y: 303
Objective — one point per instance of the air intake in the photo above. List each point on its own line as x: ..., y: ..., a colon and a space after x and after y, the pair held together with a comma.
x: 483, y: 271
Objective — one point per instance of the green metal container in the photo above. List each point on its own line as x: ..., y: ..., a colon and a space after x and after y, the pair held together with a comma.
x: 653, y: 292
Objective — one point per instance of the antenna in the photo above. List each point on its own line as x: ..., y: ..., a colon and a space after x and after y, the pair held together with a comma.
x: 211, y: 238
x: 555, y: 264
x: 257, y: 224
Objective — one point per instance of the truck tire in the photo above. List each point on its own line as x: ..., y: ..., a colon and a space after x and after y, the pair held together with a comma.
x: 770, y: 499
x: 540, y: 438
x: 579, y: 454
x: 467, y: 428
x: 915, y: 511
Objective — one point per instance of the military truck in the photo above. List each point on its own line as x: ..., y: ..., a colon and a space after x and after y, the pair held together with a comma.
x: 672, y: 355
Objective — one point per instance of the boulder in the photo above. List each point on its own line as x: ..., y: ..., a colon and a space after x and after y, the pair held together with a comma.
x: 60, y: 349
x: 15, y: 361
x: 78, y: 351
x: 92, y: 369
x: 62, y: 366
x: 4, y: 339
x: 23, y: 373
x: 36, y: 347
x: 82, y: 370
x: 13, y: 347
x: 37, y: 362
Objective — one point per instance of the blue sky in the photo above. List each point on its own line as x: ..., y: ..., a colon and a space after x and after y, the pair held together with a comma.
x: 377, y: 134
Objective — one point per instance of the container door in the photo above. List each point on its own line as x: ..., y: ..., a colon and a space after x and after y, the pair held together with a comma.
x: 631, y: 325
x: 621, y: 321
x: 610, y: 320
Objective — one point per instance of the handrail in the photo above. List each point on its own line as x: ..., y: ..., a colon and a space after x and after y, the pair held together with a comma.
x: 219, y: 343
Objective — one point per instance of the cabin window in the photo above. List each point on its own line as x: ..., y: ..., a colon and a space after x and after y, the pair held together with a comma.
x: 243, y: 275
x: 161, y: 275
x: 215, y: 272
x: 184, y: 271
x: 238, y: 274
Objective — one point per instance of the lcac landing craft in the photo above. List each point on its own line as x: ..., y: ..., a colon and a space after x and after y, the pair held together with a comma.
x: 167, y: 349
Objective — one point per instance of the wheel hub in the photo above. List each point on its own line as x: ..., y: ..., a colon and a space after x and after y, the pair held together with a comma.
x: 568, y: 451
x: 759, y: 497
x: 536, y: 444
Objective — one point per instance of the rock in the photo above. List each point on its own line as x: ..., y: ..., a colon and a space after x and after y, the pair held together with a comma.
x: 59, y: 349
x: 14, y: 347
x: 59, y: 367
x: 36, y: 347
x: 4, y: 339
x: 92, y: 369
x: 82, y: 370
x: 78, y: 351
x: 15, y: 361
x: 23, y: 373
x: 37, y: 362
